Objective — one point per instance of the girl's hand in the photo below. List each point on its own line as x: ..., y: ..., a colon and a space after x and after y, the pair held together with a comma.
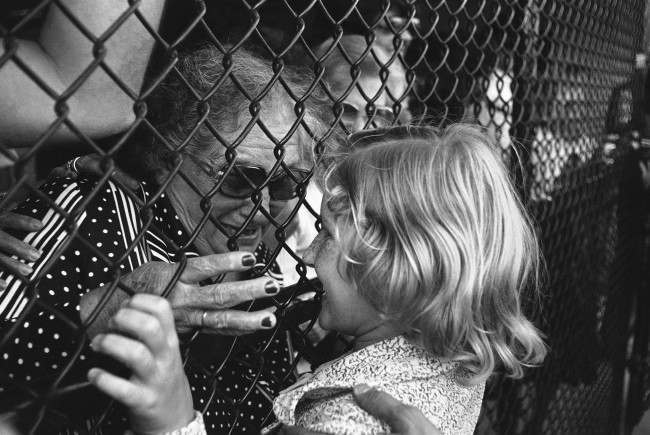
x: 143, y: 338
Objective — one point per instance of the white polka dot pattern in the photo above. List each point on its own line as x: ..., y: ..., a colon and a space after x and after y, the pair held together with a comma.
x: 45, y: 341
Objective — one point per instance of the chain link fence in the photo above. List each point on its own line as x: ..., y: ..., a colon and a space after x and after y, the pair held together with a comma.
x: 553, y: 82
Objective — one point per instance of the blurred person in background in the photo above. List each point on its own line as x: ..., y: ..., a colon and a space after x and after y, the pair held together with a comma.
x: 386, y: 100
x: 353, y: 74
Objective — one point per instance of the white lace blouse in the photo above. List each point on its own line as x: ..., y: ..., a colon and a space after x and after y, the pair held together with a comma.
x: 323, y: 401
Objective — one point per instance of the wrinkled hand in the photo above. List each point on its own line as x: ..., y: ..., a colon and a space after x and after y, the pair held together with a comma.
x: 194, y: 305
x: 402, y: 419
x: 10, y: 245
x: 143, y: 338
x: 91, y: 164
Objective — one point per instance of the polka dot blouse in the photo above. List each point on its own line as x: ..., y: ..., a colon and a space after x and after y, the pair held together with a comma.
x: 44, y: 352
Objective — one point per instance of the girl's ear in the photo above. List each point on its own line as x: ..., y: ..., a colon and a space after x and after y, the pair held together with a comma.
x: 341, y: 267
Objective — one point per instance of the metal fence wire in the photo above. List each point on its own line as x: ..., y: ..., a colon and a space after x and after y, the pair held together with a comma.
x: 553, y: 81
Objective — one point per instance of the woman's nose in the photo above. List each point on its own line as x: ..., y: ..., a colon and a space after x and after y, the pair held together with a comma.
x: 266, y: 198
x: 246, y: 205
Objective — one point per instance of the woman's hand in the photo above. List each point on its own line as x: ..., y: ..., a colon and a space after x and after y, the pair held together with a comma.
x: 143, y: 338
x: 194, y: 305
x: 10, y: 245
x: 402, y: 419
x: 91, y: 164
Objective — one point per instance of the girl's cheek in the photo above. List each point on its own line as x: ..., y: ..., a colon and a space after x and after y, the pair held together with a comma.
x: 321, y: 242
x: 314, y: 250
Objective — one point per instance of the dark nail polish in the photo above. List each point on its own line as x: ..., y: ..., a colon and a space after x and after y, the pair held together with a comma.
x: 267, y: 322
x: 271, y: 287
x: 248, y: 260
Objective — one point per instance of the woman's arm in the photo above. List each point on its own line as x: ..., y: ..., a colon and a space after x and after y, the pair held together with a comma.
x: 61, y: 54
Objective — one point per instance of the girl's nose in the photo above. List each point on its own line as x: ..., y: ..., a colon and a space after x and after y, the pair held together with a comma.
x: 309, y: 256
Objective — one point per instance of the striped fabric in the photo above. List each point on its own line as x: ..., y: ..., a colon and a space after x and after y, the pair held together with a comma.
x: 48, y: 240
x: 45, y: 340
x: 67, y: 194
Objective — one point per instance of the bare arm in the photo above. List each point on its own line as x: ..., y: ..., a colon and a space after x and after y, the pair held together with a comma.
x: 99, y: 107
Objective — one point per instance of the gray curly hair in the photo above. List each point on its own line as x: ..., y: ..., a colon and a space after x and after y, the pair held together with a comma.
x: 219, y: 94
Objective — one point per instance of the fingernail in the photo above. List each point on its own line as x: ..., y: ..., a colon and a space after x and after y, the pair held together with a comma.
x: 271, y: 287
x: 37, y: 225
x: 25, y: 269
x: 3, y: 285
x: 248, y: 260
x: 92, y: 374
x: 267, y: 322
x: 94, y: 341
x: 34, y: 254
x: 361, y: 389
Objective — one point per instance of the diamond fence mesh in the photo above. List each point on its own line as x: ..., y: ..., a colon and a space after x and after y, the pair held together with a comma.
x: 236, y: 84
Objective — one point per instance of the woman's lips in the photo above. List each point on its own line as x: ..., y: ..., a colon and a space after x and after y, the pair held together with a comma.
x: 248, y: 233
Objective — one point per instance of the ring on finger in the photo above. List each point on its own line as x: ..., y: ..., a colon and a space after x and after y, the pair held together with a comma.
x: 74, y: 164
x: 203, y: 316
x: 71, y: 165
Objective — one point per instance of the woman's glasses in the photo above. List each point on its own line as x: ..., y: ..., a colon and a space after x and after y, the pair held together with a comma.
x: 242, y: 180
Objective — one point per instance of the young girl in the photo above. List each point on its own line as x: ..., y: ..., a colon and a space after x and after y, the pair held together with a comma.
x: 423, y: 254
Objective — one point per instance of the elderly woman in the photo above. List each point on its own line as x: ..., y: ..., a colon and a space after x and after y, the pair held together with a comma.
x: 223, y: 162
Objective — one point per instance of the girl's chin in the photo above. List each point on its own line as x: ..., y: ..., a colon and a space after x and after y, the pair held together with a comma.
x: 322, y: 324
x: 324, y: 321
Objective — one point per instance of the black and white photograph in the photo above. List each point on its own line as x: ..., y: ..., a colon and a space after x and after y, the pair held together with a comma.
x: 311, y: 217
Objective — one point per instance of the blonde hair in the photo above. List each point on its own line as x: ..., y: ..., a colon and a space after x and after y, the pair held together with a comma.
x: 434, y: 236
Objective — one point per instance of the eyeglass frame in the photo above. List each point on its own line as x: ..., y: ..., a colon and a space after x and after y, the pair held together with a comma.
x: 217, y: 176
